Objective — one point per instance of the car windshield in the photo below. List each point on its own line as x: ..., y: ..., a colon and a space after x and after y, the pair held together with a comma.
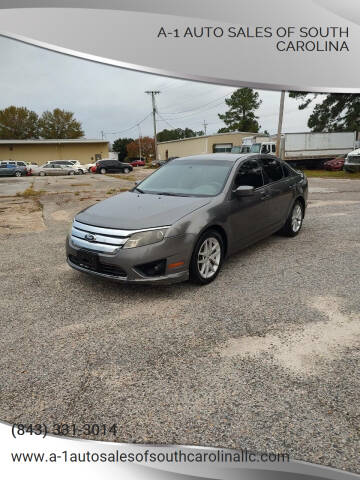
x: 189, y: 177
x: 255, y: 148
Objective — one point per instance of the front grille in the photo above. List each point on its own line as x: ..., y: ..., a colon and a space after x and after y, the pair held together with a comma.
x: 99, y: 239
x: 104, y: 268
x: 353, y: 159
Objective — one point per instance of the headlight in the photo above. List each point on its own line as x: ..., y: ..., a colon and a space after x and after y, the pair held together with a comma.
x: 140, y: 239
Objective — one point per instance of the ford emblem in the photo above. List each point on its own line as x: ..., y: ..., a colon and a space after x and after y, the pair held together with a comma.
x: 89, y: 237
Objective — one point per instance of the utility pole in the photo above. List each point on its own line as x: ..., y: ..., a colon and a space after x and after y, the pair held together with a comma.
x: 140, y: 153
x: 153, y: 93
x: 205, y: 125
x: 102, y: 134
x: 281, y: 114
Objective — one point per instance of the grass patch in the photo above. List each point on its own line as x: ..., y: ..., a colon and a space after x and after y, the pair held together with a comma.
x: 327, y: 174
x: 30, y: 192
x: 116, y: 190
x: 80, y: 184
x: 77, y: 193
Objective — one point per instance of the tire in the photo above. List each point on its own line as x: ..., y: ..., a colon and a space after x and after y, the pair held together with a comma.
x: 80, y: 172
x: 199, y: 272
x: 126, y: 170
x: 42, y: 174
x: 294, y: 221
x: 103, y: 170
x: 71, y: 172
x: 17, y: 174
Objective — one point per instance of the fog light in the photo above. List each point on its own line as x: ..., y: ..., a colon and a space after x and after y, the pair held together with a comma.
x: 153, y: 269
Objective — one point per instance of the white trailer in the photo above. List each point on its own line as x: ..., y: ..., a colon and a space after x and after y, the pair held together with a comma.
x: 311, y: 149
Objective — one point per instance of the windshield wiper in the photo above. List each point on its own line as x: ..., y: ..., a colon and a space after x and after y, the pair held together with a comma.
x: 170, y: 194
x: 139, y: 190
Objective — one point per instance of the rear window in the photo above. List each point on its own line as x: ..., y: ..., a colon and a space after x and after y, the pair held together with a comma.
x: 272, y: 169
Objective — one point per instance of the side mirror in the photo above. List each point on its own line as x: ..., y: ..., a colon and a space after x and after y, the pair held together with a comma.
x: 244, y: 191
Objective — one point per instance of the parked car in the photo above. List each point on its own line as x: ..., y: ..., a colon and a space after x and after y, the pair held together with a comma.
x: 13, y: 170
x: 56, y: 169
x: 137, y: 163
x: 158, y: 163
x: 335, y: 164
x: 111, y: 166
x: 80, y: 169
x: 89, y: 166
x: 187, y: 217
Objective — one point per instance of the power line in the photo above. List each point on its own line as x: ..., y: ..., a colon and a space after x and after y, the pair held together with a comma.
x: 164, y: 120
x: 200, y: 107
x: 127, y: 129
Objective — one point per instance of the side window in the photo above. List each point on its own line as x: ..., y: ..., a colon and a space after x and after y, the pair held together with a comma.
x: 272, y: 169
x: 249, y: 173
x: 273, y: 148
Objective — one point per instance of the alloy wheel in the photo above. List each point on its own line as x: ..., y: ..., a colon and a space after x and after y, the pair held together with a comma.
x: 296, y: 218
x: 209, y: 256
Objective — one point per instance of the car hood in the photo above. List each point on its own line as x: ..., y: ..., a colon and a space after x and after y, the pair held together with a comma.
x: 132, y: 211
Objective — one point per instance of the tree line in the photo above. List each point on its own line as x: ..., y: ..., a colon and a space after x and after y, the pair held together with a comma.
x: 336, y: 112
x: 20, y: 123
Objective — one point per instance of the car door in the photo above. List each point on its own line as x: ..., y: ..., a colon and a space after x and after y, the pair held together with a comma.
x: 248, y: 215
x: 116, y: 166
x: 281, y: 189
x: 58, y: 169
x: 50, y: 169
x: 108, y: 166
x: 4, y: 171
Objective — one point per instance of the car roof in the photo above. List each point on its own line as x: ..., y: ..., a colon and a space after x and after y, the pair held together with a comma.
x: 233, y: 157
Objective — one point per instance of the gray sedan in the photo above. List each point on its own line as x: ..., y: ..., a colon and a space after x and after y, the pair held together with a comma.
x: 56, y: 169
x: 187, y: 217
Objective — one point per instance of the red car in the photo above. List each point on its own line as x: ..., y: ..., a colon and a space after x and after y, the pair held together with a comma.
x: 137, y: 163
x: 335, y: 164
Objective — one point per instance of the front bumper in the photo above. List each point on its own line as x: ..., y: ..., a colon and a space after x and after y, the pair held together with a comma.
x: 173, y: 250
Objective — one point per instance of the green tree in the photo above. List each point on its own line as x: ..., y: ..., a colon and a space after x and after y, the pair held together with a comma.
x: 120, y: 145
x: 176, y: 134
x: 240, y: 116
x: 59, y: 124
x: 18, y: 123
x: 338, y: 112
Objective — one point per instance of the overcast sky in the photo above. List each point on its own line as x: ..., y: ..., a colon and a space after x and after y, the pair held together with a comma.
x: 112, y: 99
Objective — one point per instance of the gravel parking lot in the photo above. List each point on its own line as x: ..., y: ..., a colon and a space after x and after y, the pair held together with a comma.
x: 265, y: 358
